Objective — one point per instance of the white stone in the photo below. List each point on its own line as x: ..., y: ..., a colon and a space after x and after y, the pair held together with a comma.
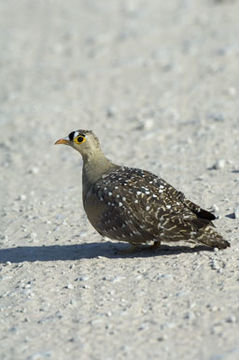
x: 148, y: 123
x: 236, y: 212
x: 219, y: 164
x: 22, y: 197
x: 34, y: 170
x: 215, y: 208
x: 70, y: 286
x: 231, y: 319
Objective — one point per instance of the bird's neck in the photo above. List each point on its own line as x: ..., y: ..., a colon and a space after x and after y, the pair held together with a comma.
x: 94, y: 166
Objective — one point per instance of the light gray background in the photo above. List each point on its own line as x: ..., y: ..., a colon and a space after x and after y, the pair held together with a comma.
x: 158, y: 82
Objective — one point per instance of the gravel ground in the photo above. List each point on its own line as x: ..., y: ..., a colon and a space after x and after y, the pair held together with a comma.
x: 158, y: 82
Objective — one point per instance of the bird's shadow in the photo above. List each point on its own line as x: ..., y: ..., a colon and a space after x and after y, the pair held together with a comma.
x: 231, y: 216
x: 86, y: 251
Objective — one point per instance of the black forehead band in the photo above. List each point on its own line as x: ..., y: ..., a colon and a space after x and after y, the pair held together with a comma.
x: 71, y: 135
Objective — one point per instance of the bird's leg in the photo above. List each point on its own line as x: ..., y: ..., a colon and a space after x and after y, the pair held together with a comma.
x: 155, y: 245
x: 129, y: 250
x: 136, y: 248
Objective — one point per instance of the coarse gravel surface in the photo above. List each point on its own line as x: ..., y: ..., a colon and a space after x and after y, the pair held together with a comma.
x: 158, y: 82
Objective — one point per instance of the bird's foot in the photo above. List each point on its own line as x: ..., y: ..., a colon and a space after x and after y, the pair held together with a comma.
x: 155, y: 245
x: 129, y: 250
x: 136, y: 248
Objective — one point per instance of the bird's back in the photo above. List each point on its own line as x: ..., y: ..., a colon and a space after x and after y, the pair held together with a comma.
x: 135, y: 205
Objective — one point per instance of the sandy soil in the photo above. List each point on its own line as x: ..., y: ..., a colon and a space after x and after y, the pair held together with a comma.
x: 158, y: 82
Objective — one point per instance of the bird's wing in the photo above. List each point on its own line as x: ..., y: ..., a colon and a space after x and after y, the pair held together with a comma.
x: 150, y: 204
x: 201, y: 213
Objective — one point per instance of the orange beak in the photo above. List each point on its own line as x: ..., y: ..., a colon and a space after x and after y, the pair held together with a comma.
x: 62, y: 141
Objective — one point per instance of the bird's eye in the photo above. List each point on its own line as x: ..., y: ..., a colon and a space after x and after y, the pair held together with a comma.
x: 80, y: 139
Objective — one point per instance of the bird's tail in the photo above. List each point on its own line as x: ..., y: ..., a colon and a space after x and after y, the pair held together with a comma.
x: 208, y: 236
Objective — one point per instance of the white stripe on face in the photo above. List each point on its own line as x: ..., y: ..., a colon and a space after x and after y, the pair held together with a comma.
x: 76, y: 134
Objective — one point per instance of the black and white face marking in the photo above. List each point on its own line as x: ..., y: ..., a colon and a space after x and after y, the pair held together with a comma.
x: 73, y: 135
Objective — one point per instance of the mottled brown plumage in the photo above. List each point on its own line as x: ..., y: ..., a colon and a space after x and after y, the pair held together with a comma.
x: 135, y: 205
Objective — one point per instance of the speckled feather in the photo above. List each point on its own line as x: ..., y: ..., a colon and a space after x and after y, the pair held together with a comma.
x: 137, y: 206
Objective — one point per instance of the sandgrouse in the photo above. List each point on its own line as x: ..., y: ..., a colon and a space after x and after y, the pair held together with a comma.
x: 134, y: 205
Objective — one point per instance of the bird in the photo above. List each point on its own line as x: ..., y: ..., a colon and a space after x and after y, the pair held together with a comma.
x: 134, y: 205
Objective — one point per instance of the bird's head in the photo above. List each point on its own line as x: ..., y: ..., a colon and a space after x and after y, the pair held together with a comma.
x: 83, y: 141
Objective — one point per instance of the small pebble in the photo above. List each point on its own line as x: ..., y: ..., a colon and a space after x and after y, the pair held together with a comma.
x: 231, y: 319
x: 143, y: 326
x: 215, y: 208
x: 82, y: 278
x: 31, y: 235
x: 148, y: 124
x: 69, y: 286
x: 111, y: 111
x: 33, y: 170
x: 232, y: 91
x: 216, y: 116
x: 189, y: 315
x: 236, y: 212
x: 214, y: 265
x: 162, y: 338
x: 219, y: 164
x: 85, y: 287
x: 22, y: 197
